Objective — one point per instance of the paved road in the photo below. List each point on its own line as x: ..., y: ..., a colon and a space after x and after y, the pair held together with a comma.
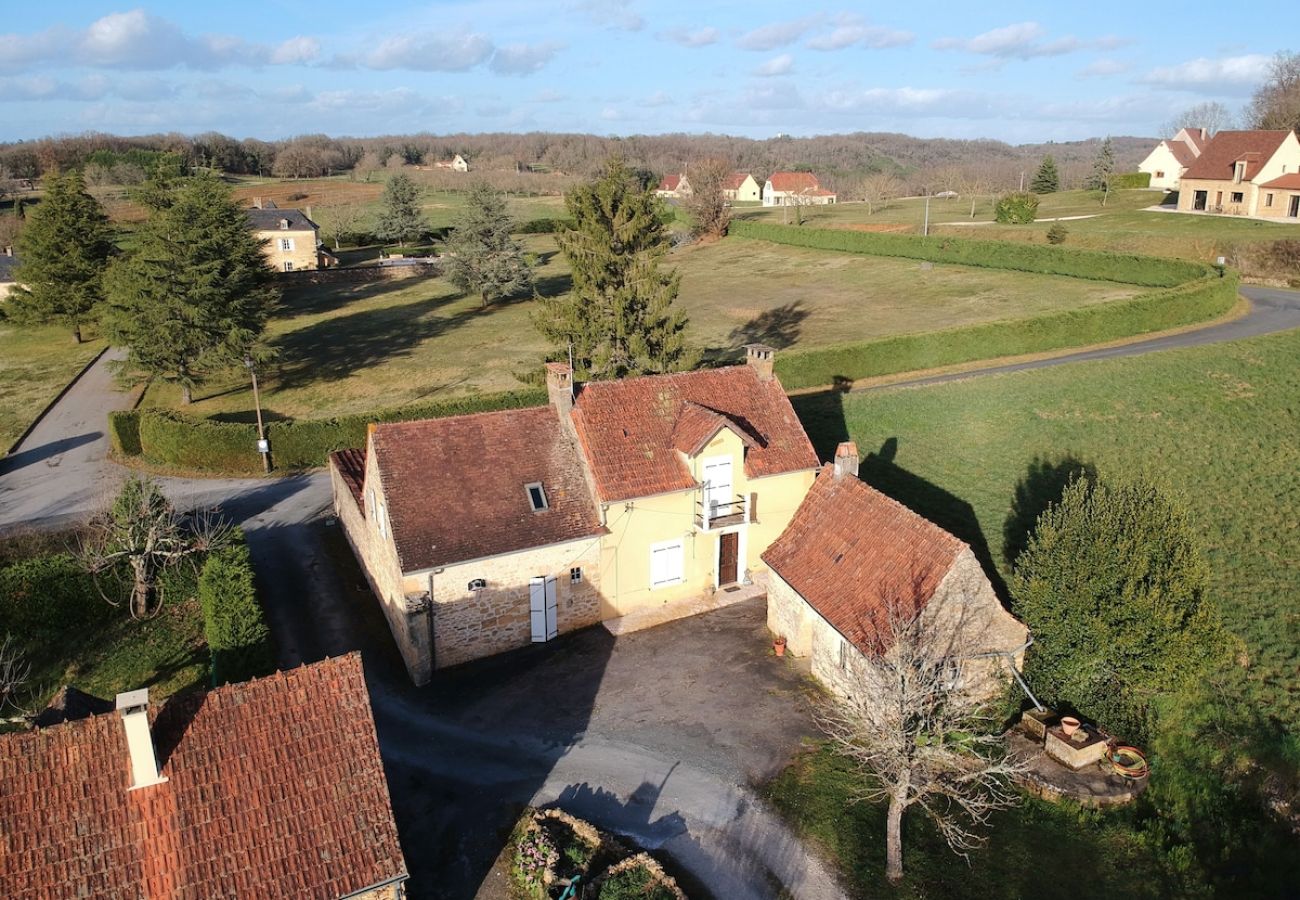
x: 458, y: 772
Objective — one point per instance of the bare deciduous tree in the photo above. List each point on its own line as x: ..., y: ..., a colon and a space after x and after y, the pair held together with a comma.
x: 345, y: 217
x: 706, y: 203
x: 14, y: 671
x: 1276, y: 103
x: 878, y: 189
x: 143, y: 533
x: 915, y: 734
x: 1211, y: 115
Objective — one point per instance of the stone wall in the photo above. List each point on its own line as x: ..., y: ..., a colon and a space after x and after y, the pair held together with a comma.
x: 303, y: 255
x: 470, y: 624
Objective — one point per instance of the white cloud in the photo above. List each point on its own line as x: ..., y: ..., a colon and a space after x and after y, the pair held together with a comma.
x: 429, y: 52
x: 853, y: 31
x: 658, y: 98
x: 777, y: 65
x: 1104, y: 68
x: 522, y: 59
x: 778, y: 34
x: 90, y: 88
x: 617, y: 14
x: 699, y: 37
x: 1023, y: 40
x: 296, y: 51
x: 1229, y: 74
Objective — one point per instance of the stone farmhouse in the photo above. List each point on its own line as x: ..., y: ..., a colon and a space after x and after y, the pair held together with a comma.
x: 623, y: 500
x: 457, y: 163
x: 1170, y: 159
x: 1245, y: 173
x: 270, y: 788
x: 675, y: 186
x: 290, y: 239
x: 795, y: 188
x: 742, y: 187
x: 849, y: 553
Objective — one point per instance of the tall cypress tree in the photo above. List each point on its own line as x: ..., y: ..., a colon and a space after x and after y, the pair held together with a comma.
x: 401, y: 219
x: 481, y: 255
x: 619, y: 318
x: 1046, y: 180
x: 196, y: 292
x: 63, y: 253
x: 1103, y: 166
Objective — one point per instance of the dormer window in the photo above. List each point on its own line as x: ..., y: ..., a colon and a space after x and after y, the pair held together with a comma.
x: 536, y: 496
x: 284, y: 224
x: 1239, y: 171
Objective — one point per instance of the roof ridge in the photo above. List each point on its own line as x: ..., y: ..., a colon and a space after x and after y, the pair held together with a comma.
x: 485, y: 413
x: 829, y: 469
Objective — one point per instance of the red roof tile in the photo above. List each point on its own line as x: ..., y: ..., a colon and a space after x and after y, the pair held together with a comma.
x: 670, y: 182
x: 627, y: 428
x: 850, y: 550
x: 1219, y: 157
x: 455, y: 486
x: 275, y: 789
x: 1183, y: 153
x: 794, y: 182
x: 352, y: 468
x: 1289, y: 181
x: 734, y: 181
x: 697, y: 425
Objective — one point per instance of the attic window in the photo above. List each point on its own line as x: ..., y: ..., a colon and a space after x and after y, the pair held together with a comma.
x: 284, y: 224
x: 536, y: 496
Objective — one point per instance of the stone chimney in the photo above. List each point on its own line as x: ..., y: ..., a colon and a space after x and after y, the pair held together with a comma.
x: 134, y: 709
x: 257, y: 203
x: 9, y: 251
x: 846, y: 459
x: 559, y: 389
x: 307, y: 212
x: 762, y: 358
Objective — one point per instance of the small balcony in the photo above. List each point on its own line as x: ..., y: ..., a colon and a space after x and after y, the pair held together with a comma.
x: 711, y: 514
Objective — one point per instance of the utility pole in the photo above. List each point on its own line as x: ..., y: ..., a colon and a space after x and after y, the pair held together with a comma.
x: 1022, y: 181
x: 925, y: 229
x: 263, y: 446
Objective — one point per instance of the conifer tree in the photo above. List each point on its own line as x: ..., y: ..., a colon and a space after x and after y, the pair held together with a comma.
x: 1103, y: 166
x: 63, y: 253
x: 1046, y: 180
x: 619, y: 318
x: 195, y: 293
x: 482, y: 256
x: 400, y: 219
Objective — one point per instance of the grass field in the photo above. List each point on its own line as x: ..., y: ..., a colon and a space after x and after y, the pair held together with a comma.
x: 349, y: 348
x: 1218, y: 424
x: 1122, y: 225
x: 35, y: 364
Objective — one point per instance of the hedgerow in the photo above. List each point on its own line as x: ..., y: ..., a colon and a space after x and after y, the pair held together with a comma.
x: 238, y: 638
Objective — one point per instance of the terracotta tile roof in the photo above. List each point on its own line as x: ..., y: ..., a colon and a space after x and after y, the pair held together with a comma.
x: 352, y: 469
x: 697, y: 425
x: 627, y: 428
x: 1217, y: 160
x: 670, y: 182
x: 734, y: 181
x: 1183, y: 153
x: 455, y: 486
x: 275, y: 789
x: 1289, y: 181
x: 850, y: 550
x: 794, y: 182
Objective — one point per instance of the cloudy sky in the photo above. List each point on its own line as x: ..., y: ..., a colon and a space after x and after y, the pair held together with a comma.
x: 273, y: 68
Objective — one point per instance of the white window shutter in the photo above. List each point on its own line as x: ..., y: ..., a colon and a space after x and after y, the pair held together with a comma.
x: 552, y: 608
x: 537, y: 608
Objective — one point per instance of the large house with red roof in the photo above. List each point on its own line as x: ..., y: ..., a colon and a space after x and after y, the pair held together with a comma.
x: 741, y: 187
x: 631, y: 500
x: 795, y: 188
x: 270, y: 788
x: 852, y: 557
x: 674, y: 186
x: 1170, y: 159
x: 1244, y: 173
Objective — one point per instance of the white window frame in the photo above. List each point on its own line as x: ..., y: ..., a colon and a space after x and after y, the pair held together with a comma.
x: 286, y: 245
x: 288, y: 265
x: 381, y: 519
x: 680, y: 544
x: 528, y: 490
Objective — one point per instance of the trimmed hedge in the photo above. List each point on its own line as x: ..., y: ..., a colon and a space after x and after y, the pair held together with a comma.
x: 239, y: 640
x: 1145, y: 271
x: 1195, y: 301
x: 167, y: 438
x: 1128, y: 181
x: 542, y: 226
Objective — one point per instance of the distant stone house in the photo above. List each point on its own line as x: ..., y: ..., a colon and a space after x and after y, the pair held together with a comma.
x: 742, y: 187
x: 1170, y: 158
x: 270, y: 788
x: 290, y: 239
x: 486, y: 532
x: 1243, y: 173
x: 457, y: 163
x: 791, y: 188
x: 850, y: 552
x: 674, y: 186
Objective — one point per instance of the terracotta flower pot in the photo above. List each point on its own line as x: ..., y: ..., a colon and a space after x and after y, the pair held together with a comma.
x: 1069, y: 725
x: 778, y: 646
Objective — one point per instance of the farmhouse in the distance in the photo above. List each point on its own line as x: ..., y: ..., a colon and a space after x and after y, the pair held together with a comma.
x: 742, y: 187
x: 1245, y: 173
x: 457, y: 163
x: 675, y: 186
x: 1170, y: 158
x: 795, y: 188
x: 290, y: 239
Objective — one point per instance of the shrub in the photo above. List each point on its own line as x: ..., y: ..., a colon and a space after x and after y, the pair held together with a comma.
x: 43, y: 594
x: 297, y: 195
x: 238, y: 638
x: 124, y: 432
x: 1017, y: 208
x: 1057, y: 233
x: 1283, y: 256
x: 638, y: 878
x: 1127, y: 181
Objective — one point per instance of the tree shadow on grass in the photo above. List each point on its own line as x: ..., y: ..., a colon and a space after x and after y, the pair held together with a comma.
x: 778, y: 327
x: 1041, y: 487
x: 553, y: 285
x: 318, y: 299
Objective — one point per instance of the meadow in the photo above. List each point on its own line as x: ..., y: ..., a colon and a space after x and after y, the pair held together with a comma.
x: 35, y: 364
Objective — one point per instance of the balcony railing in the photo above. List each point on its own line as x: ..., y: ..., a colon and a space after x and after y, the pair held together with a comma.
x: 710, y: 514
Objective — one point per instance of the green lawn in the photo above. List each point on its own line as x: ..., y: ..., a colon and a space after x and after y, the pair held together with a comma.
x: 35, y: 364
x: 1122, y: 225
x: 1219, y: 424
x: 1035, y: 850
x: 350, y: 348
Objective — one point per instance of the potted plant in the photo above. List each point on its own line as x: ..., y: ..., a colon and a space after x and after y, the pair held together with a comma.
x: 1069, y: 725
x: 778, y: 645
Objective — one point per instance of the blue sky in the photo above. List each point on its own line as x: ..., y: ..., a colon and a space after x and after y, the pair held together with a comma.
x: 272, y: 68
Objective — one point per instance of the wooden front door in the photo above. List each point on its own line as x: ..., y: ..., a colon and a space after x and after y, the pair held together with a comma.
x: 728, y: 558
